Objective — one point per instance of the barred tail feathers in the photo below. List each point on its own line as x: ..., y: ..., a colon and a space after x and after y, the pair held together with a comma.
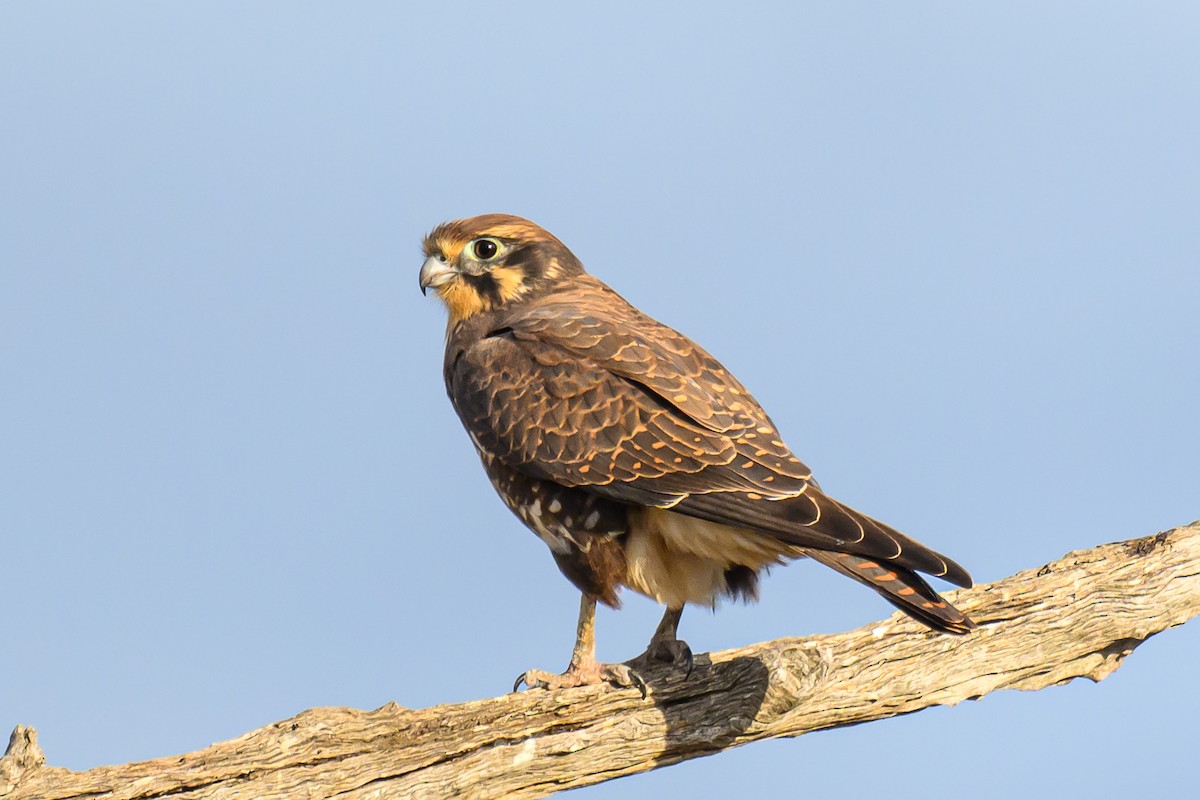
x: 901, y: 587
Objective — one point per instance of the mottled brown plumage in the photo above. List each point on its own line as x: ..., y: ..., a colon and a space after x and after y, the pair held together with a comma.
x: 632, y: 452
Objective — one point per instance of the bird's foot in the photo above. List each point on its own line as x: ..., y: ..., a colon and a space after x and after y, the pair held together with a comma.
x: 667, y: 651
x: 586, y: 674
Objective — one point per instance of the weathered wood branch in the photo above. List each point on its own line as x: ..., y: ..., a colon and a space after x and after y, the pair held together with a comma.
x: 1077, y: 617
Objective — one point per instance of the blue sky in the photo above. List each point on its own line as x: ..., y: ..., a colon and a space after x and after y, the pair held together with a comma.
x: 952, y: 248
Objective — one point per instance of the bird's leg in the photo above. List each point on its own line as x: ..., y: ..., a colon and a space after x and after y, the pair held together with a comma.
x: 584, y: 669
x: 665, y: 646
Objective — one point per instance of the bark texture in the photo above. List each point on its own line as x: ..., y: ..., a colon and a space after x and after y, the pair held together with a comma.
x: 1079, y: 616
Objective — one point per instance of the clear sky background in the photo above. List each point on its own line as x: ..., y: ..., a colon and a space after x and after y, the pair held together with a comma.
x: 954, y: 249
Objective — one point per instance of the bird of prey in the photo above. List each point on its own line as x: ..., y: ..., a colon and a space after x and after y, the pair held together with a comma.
x: 632, y: 453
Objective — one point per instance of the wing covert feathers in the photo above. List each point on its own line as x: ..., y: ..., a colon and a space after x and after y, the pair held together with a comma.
x: 585, y: 390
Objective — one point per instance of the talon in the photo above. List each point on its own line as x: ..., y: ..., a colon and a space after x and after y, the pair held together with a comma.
x: 531, y: 680
x: 670, y: 651
x: 623, y: 676
x: 637, y: 681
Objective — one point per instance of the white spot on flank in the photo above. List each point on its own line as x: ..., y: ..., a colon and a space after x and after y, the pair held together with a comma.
x: 591, y: 520
x: 536, y: 508
x: 553, y: 539
x: 555, y: 506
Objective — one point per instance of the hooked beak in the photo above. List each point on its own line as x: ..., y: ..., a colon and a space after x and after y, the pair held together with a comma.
x: 435, y: 272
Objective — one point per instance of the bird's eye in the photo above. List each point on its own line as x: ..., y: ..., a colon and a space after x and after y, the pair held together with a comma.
x: 485, y: 249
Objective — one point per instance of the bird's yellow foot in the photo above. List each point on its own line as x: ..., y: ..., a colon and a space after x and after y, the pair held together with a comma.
x: 587, y: 674
x: 667, y: 651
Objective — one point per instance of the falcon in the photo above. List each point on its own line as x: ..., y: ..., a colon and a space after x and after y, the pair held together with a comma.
x: 636, y: 457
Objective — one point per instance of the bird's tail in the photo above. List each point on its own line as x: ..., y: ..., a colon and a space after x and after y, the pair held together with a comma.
x: 901, y: 587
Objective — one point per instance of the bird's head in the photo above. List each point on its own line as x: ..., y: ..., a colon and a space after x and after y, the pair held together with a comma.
x: 483, y: 263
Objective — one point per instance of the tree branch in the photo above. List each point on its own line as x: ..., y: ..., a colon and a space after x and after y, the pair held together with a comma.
x: 1077, y: 617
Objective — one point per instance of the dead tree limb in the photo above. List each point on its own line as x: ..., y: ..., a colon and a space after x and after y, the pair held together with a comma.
x: 1077, y: 617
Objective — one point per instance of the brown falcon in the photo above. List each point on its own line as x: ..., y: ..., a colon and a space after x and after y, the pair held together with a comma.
x: 632, y: 453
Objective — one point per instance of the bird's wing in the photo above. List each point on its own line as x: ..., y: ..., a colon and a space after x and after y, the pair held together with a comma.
x: 586, y: 391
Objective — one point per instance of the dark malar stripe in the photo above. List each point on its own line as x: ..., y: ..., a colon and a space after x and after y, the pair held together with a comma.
x: 486, y: 286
